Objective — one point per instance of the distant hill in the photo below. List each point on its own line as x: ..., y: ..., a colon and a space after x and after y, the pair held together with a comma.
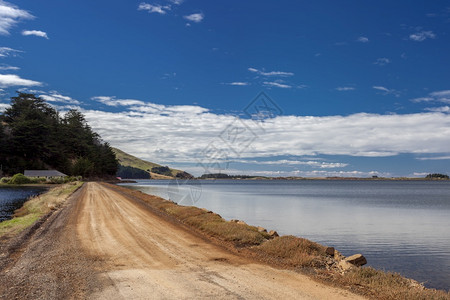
x: 128, y: 160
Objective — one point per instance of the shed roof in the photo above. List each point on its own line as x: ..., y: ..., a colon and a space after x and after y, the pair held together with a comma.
x: 43, y: 173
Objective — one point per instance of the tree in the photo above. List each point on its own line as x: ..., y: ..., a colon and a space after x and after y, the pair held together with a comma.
x: 437, y: 176
x: 132, y: 173
x: 82, y: 167
x: 162, y: 170
x: 33, y: 136
x: 32, y: 123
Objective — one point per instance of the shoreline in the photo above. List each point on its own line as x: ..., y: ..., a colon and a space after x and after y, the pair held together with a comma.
x: 330, y: 269
x: 298, y: 179
x: 37, y: 208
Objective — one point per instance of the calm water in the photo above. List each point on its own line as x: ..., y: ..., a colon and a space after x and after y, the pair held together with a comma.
x: 13, y: 198
x: 401, y: 226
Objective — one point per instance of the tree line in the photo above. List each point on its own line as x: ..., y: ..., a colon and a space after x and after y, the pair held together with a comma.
x: 33, y: 135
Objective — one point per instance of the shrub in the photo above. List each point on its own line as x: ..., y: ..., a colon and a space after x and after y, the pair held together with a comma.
x: 58, y: 180
x: 38, y: 180
x: 5, y: 179
x: 162, y: 171
x: 19, y: 178
x: 437, y: 176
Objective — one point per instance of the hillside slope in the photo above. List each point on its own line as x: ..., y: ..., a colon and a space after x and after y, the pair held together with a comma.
x: 129, y: 160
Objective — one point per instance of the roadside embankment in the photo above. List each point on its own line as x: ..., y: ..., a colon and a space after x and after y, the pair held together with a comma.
x: 36, y: 208
x: 320, y: 262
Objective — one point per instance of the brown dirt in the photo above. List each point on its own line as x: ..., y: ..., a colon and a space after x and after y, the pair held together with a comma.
x: 105, y: 245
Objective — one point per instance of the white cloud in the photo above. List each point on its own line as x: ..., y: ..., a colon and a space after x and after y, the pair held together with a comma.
x: 296, y: 173
x: 138, y: 107
x: 8, y: 68
x: 176, y: 2
x: 112, y: 101
x: 441, y: 94
x: 382, y: 61
x: 386, y: 91
x: 312, y: 163
x: 3, y: 107
x: 276, y: 84
x: 353, y: 173
x: 64, y: 108
x: 238, y: 83
x: 345, y: 88
x: 433, y: 158
x: 54, y: 96
x: 182, y: 133
x: 10, y: 15
x: 8, y: 80
x: 422, y: 99
x: 363, y: 39
x: 443, y: 109
x: 35, y: 33
x: 273, y: 73
x: 438, y: 96
x: 196, y: 18
x: 154, y: 8
x: 422, y: 36
x: 6, y: 51
x: 381, y: 88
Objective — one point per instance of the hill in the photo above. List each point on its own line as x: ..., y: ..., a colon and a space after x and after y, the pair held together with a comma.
x: 129, y: 160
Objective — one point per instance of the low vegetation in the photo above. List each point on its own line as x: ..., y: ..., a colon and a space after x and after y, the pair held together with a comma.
x: 37, y: 207
x: 387, y: 285
x: 226, y: 176
x: 132, y: 173
x: 437, y: 176
x: 19, y: 179
x: 166, y: 171
x: 292, y: 252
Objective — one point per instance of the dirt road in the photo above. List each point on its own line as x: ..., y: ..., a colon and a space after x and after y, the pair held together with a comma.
x: 127, y: 252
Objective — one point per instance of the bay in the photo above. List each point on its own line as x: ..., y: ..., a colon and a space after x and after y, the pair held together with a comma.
x: 400, y: 226
x: 12, y: 198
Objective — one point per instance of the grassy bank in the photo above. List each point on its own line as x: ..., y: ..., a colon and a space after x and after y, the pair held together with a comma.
x: 291, y: 252
x: 37, y: 207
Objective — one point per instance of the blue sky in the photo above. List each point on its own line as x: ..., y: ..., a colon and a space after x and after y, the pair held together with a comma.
x: 358, y: 88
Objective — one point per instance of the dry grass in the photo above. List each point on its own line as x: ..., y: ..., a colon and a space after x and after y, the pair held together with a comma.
x: 293, y: 252
x: 213, y: 224
x: 36, y: 207
x: 387, y: 285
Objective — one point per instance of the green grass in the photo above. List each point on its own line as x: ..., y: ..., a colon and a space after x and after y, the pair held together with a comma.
x: 129, y: 160
x: 17, y: 225
x: 36, y: 207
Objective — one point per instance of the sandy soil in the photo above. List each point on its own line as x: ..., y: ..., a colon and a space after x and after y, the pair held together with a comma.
x: 109, y: 246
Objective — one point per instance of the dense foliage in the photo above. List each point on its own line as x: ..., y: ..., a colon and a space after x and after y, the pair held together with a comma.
x: 34, y: 136
x: 19, y: 178
x: 184, y: 175
x: 132, y: 173
x: 437, y: 176
x: 162, y: 171
x: 225, y: 176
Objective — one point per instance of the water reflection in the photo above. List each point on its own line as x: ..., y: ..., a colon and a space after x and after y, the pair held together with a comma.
x: 13, y: 198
